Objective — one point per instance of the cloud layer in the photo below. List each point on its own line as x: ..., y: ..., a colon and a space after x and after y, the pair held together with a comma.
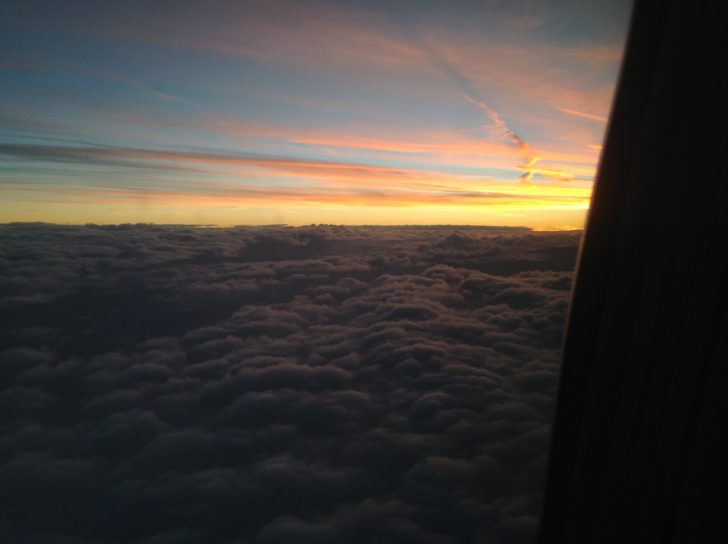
x: 275, y: 385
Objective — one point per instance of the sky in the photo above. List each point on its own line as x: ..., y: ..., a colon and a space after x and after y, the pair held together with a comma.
x: 229, y: 113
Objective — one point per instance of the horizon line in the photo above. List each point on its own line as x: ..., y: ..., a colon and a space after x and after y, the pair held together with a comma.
x: 551, y: 228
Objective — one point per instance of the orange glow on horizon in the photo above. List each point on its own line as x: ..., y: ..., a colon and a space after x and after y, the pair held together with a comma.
x: 280, y: 110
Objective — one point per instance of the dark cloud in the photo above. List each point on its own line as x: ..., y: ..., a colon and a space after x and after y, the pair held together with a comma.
x: 269, y: 385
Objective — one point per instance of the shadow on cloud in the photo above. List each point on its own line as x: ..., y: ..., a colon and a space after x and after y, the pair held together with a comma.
x: 274, y: 384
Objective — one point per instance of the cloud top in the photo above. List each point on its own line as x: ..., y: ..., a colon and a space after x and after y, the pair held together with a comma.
x: 318, y: 384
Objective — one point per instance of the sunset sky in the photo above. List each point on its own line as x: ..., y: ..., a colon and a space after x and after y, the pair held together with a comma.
x: 457, y: 112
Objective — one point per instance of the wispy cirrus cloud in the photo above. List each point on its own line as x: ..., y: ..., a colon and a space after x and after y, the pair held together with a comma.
x: 164, y: 159
x: 232, y: 195
x: 585, y: 115
x: 340, y: 172
x: 150, y: 91
x: 239, y: 183
x: 450, y: 149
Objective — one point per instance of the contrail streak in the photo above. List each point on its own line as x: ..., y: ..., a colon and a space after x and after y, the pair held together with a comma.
x: 499, y: 123
x: 503, y: 129
x: 583, y: 115
x: 463, y: 83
